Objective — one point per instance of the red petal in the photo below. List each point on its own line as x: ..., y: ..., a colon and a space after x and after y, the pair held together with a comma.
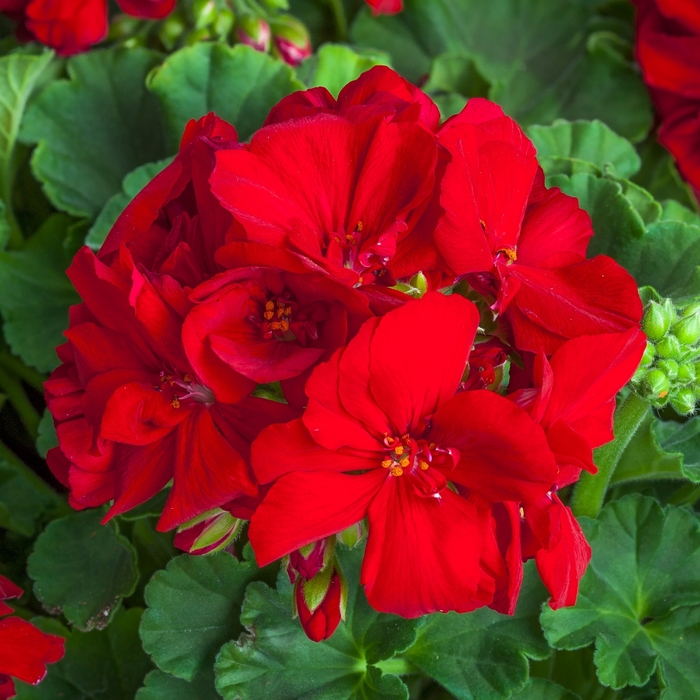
x: 8, y: 590
x: 504, y: 453
x: 417, y: 357
x: 25, y: 650
x: 301, y: 508
x: 422, y: 553
x: 147, y: 9
x: 69, y: 27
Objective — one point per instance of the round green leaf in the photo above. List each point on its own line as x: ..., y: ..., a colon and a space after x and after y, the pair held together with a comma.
x: 161, y: 686
x: 83, y: 569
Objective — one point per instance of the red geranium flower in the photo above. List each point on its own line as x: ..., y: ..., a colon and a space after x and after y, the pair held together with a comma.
x: 668, y: 50
x: 382, y: 437
x: 341, y: 194
x: 24, y: 650
x: 521, y: 244
x: 385, y: 7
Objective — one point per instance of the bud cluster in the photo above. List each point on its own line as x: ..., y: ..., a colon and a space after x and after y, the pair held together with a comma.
x: 669, y: 372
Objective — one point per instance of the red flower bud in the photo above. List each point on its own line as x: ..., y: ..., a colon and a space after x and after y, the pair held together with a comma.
x: 291, y: 39
x: 208, y: 533
x: 254, y: 32
x: 321, y: 603
x: 308, y: 561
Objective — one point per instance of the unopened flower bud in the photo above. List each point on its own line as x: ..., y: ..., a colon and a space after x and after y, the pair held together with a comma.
x: 683, y: 401
x: 657, y: 383
x: 171, y: 29
x: 686, y: 374
x: 321, y: 603
x: 649, y: 354
x: 656, y: 321
x: 223, y: 23
x: 668, y: 347
x: 276, y: 5
x: 308, y: 561
x: 253, y: 31
x: 208, y: 533
x: 196, y: 36
x: 687, y: 330
x: 291, y: 39
x: 204, y: 13
x: 669, y: 368
x: 691, y: 309
x: 353, y: 535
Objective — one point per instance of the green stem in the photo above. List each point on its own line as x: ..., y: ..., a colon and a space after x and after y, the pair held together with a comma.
x: 397, y: 666
x: 341, y: 21
x: 686, y: 495
x: 29, y: 375
x: 12, y: 388
x: 590, y: 491
x: 36, y: 481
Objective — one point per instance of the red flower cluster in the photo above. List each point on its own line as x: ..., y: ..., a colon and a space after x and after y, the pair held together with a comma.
x: 668, y: 50
x: 448, y: 423
x: 72, y: 26
x: 24, y: 650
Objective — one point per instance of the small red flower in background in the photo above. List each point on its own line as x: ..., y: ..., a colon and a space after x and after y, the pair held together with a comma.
x: 383, y: 435
x: 385, y: 7
x: 72, y: 26
x: 523, y: 245
x: 24, y: 650
x: 668, y: 50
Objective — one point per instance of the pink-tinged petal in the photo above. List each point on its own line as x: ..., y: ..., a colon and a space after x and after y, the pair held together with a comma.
x: 418, y: 354
x: 563, y: 562
x: 555, y: 224
x: 281, y: 449
x: 208, y: 471
x: 588, y: 298
x: 25, y: 650
x: 140, y: 473
x: 326, y: 418
x: 588, y: 372
x: 138, y: 416
x: 301, y: 508
x: 422, y: 553
x: 504, y: 453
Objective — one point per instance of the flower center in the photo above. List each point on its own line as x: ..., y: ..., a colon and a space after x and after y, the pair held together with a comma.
x: 277, y: 317
x: 404, y: 453
x: 186, y: 389
x: 508, y: 253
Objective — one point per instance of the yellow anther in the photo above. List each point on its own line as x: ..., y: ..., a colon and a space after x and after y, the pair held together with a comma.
x: 175, y: 403
x: 269, y: 315
x: 423, y: 465
x: 405, y: 462
x: 386, y: 463
x: 270, y: 305
x: 275, y: 325
x: 284, y: 326
x: 359, y: 226
x: 432, y: 446
x: 187, y: 379
x: 396, y: 471
x: 399, y: 450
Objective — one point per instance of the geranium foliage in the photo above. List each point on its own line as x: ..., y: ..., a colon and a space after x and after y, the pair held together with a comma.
x: 349, y: 350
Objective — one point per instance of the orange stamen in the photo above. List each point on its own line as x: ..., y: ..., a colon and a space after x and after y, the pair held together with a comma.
x: 386, y: 463
x: 175, y: 403
x: 423, y: 465
x: 396, y: 471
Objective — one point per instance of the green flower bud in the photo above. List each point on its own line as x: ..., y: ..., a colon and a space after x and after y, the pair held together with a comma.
x: 669, y: 347
x: 197, y: 35
x: 691, y: 309
x: 686, y: 374
x: 657, y: 383
x: 687, y: 330
x: 669, y: 368
x: 171, y: 29
x: 656, y: 321
x: 204, y: 13
x: 223, y: 24
x: 649, y: 354
x: 683, y: 401
x: 290, y: 39
x: 275, y: 5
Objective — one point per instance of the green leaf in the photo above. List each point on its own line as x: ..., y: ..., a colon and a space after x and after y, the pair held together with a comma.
x: 133, y: 183
x: 455, y: 75
x: 239, y: 84
x: 47, y: 434
x: 483, y: 655
x: 35, y: 294
x: 335, y: 65
x: 639, y: 597
x: 644, y: 458
x: 674, y: 211
x: 193, y: 608
x: 684, y: 440
x: 22, y: 504
x: 541, y: 63
x: 83, y: 569
x: 19, y: 73
x: 161, y: 686
x: 275, y: 659
x: 98, y: 665
x: 542, y: 689
x: 94, y: 128
x: 583, y: 142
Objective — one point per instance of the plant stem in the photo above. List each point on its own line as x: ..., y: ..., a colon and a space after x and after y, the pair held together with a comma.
x: 31, y: 376
x: 397, y: 666
x: 341, y: 21
x: 36, y: 481
x: 15, y: 393
x: 590, y: 491
x: 686, y: 495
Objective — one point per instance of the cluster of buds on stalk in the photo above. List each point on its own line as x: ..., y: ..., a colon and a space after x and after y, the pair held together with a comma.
x: 320, y: 590
x: 669, y: 373
x: 209, y: 532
